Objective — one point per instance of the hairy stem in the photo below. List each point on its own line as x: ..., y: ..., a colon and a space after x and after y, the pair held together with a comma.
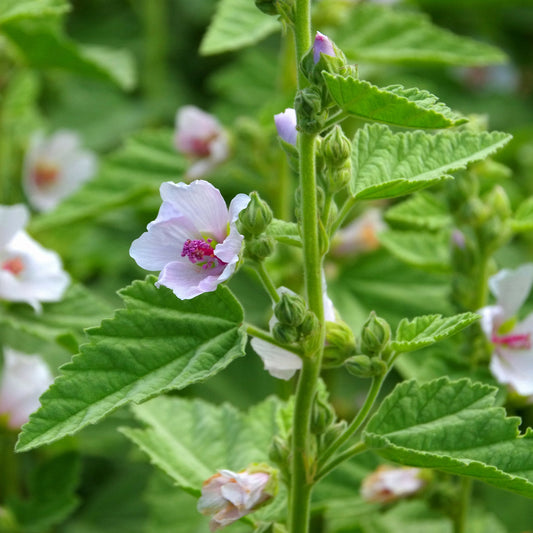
x: 459, y: 520
x: 264, y: 335
x: 267, y: 282
x: 350, y: 452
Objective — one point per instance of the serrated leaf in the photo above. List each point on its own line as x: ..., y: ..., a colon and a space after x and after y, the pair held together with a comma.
x: 523, y: 218
x: 133, y: 172
x: 430, y: 251
x: 395, y: 105
x: 425, y: 330
x: 203, y: 437
x: 421, y: 211
x: 387, y: 164
x: 236, y: 24
x: 16, y: 9
x: 377, y: 34
x: 285, y: 232
x: 453, y: 426
x: 156, y: 344
x: 44, y: 46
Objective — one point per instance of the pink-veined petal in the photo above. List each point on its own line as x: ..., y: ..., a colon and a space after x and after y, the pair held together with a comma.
x: 201, y: 203
x: 186, y: 280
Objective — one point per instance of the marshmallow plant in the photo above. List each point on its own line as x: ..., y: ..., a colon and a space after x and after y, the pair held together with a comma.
x: 269, y: 468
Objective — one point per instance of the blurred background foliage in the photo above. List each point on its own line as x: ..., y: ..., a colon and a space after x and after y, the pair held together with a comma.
x: 116, y: 71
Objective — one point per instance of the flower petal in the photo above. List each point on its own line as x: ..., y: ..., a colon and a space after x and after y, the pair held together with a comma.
x: 278, y: 362
x: 187, y: 280
x: 511, y: 288
x: 286, y: 125
x: 201, y: 203
x: 13, y: 218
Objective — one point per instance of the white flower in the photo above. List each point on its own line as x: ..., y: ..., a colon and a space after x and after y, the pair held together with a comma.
x: 228, y: 496
x: 361, y: 235
x: 200, y: 136
x: 281, y: 363
x: 194, y: 241
x: 24, y: 379
x: 387, y: 484
x: 512, y: 359
x: 55, y: 167
x: 28, y: 272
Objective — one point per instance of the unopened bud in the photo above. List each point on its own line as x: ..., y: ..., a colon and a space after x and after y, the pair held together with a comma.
x: 359, y: 366
x: 290, y: 310
x: 323, y: 416
x: 336, y: 148
x: 340, y: 343
x: 332, y: 433
x: 255, y: 217
x: 279, y: 451
x: 375, y: 334
x: 492, y: 170
x: 310, y: 323
x: 324, y: 55
x: 338, y: 177
x: 285, y: 334
x: 498, y: 200
x: 260, y: 248
x: 267, y: 6
x: 309, y: 112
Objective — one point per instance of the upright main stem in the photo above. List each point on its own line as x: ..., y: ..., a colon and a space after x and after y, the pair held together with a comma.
x: 303, y: 461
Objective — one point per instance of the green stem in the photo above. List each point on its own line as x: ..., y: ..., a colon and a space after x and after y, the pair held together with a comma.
x: 335, y: 119
x: 264, y: 335
x: 266, y: 280
x: 343, y: 213
x: 352, y: 451
x: 356, y: 422
x: 460, y: 519
x: 481, y: 283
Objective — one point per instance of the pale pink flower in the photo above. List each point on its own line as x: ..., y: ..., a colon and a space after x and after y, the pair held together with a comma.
x: 28, y: 272
x: 55, y: 167
x: 512, y: 359
x: 200, y: 136
x: 286, y: 125
x: 24, y: 378
x: 281, y: 363
x: 228, y: 496
x: 361, y: 235
x: 322, y: 45
x: 387, y: 484
x: 194, y: 240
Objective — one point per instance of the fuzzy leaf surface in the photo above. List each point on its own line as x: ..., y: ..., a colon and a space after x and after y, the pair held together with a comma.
x: 15, y: 9
x: 395, y: 105
x: 430, y: 251
x: 420, y: 211
x: 156, y: 344
x: 236, y: 24
x: 455, y: 427
x: 387, y: 164
x: 378, y: 34
x: 44, y: 46
x: 425, y: 330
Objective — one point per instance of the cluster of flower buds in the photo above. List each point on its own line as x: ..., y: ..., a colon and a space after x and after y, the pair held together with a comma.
x: 252, y: 223
x: 374, y: 341
x: 228, y: 496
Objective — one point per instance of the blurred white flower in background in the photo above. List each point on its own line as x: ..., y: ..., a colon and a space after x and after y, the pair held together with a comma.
x: 55, y: 167
x: 24, y: 379
x: 28, y: 272
x: 387, y: 484
x: 201, y: 137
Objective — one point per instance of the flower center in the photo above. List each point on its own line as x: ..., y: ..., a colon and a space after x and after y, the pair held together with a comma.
x: 201, y: 253
x: 14, y: 265
x: 45, y: 174
x: 519, y: 341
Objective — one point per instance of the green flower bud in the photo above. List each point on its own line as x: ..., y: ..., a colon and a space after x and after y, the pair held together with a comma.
x: 359, y: 366
x: 498, y: 201
x: 285, y: 334
x: 375, y: 335
x: 290, y: 310
x: 337, y: 178
x: 267, y: 6
x: 309, y: 110
x: 260, y: 248
x: 491, y: 170
x: 322, y: 416
x: 309, y: 324
x: 279, y: 452
x: 340, y: 343
x: 255, y: 217
x: 336, y: 148
x: 332, y: 433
